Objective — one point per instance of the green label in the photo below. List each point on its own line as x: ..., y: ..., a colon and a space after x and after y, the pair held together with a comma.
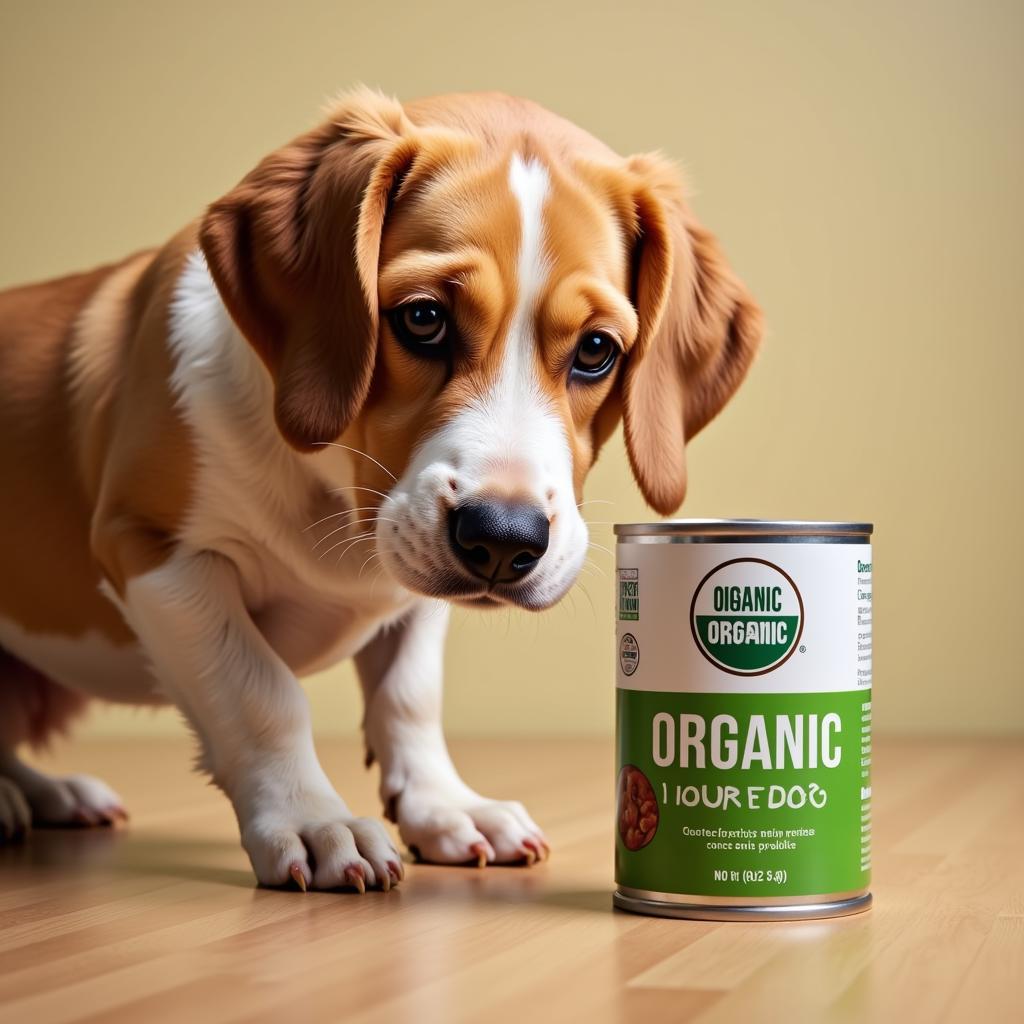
x: 744, y: 644
x: 740, y: 794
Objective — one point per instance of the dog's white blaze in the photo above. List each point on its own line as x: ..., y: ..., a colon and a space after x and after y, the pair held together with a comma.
x: 530, y: 185
x: 515, y: 396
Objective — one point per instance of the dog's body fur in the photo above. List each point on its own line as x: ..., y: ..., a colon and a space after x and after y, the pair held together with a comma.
x: 189, y: 441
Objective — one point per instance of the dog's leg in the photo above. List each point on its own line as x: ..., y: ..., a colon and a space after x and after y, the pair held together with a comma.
x: 252, y: 720
x: 438, y: 815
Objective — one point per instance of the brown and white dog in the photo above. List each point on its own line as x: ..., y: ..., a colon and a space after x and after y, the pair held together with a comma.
x: 402, y: 339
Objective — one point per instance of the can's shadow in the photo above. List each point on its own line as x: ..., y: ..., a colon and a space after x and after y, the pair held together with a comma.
x: 589, y: 901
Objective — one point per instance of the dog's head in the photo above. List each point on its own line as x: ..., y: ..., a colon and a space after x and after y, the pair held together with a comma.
x: 473, y: 291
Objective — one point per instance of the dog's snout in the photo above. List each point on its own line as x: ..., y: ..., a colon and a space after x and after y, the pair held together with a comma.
x: 498, y: 541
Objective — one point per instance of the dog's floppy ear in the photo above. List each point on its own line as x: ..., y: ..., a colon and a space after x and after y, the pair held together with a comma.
x: 699, y: 332
x: 293, y: 249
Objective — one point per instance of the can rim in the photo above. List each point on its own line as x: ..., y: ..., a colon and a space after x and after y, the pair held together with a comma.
x: 707, y: 912
x: 745, y: 527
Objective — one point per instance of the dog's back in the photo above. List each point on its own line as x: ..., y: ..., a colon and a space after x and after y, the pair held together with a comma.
x: 48, y: 579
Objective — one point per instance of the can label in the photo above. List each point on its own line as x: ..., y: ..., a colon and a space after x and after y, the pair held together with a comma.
x: 744, y: 719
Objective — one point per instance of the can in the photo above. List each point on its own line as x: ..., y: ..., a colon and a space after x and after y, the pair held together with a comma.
x: 743, y: 719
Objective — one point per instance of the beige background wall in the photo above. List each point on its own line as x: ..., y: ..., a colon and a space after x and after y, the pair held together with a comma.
x: 861, y: 162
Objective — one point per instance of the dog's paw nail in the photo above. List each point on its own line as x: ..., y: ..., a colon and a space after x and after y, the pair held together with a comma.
x: 298, y: 876
x: 479, y: 850
x: 397, y: 871
x: 83, y: 816
x: 385, y: 881
x: 537, y: 851
x: 529, y: 855
x: 354, y: 877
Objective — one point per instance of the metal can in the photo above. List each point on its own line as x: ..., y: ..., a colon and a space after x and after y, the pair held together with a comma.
x: 743, y: 719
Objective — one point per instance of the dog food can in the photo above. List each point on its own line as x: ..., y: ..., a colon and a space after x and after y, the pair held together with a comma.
x: 743, y: 719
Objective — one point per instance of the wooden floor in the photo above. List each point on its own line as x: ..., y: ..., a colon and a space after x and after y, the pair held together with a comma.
x: 161, y: 921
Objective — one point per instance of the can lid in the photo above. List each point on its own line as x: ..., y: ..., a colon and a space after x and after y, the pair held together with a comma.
x: 743, y: 527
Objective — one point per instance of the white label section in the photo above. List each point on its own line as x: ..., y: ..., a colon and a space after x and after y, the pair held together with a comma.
x: 676, y: 651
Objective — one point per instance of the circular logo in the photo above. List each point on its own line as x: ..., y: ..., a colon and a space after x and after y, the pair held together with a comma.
x: 747, y: 616
x: 629, y: 654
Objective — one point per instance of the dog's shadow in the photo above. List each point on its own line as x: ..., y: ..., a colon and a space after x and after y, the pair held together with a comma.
x: 89, y: 852
x: 110, y: 853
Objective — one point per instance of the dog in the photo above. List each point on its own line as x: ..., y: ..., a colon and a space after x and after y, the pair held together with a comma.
x: 367, y: 383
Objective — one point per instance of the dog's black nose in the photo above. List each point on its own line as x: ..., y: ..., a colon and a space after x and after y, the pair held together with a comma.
x: 498, y: 541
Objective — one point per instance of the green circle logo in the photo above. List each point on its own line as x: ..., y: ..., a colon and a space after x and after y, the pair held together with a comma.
x: 747, y: 616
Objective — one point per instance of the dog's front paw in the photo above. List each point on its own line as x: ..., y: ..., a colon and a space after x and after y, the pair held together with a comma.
x: 322, y: 851
x: 480, y: 831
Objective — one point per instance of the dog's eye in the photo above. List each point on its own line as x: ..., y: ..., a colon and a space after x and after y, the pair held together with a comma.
x: 595, y: 355
x: 421, y: 326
